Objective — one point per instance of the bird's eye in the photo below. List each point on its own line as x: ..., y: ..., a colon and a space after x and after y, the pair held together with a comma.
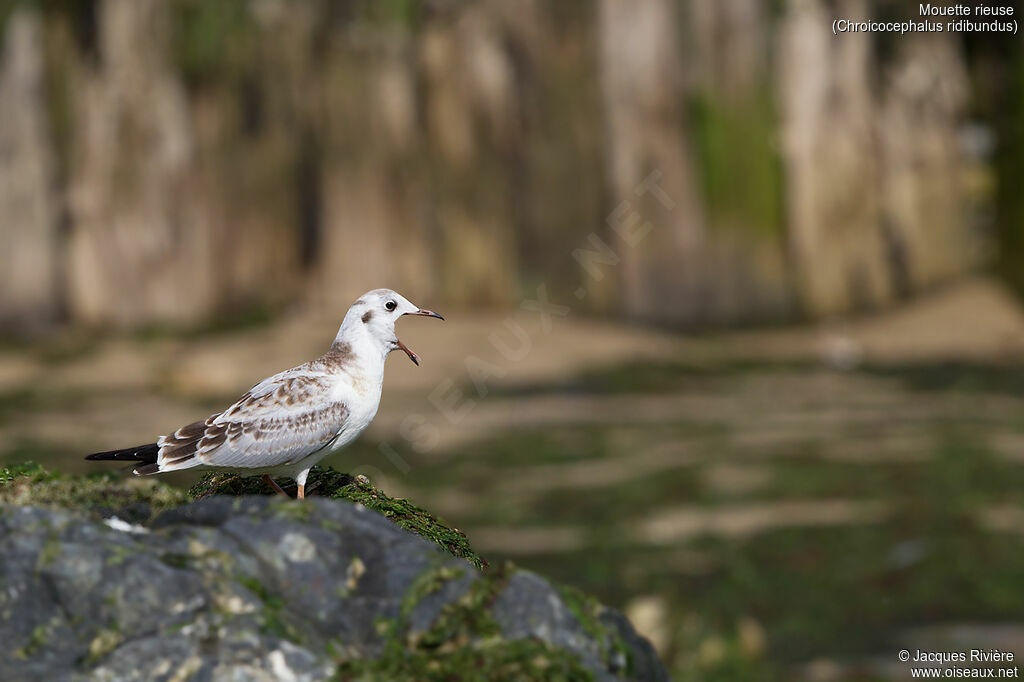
x: 390, y: 305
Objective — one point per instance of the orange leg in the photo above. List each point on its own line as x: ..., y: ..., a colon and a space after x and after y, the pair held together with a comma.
x: 273, y: 484
x: 300, y: 481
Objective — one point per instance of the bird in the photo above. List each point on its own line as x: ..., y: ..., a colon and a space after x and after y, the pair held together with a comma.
x: 288, y: 422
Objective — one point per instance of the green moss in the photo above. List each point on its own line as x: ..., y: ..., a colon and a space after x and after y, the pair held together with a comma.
x: 426, y: 584
x: 495, y: 662
x: 256, y: 587
x: 38, y: 638
x: 273, y: 615
x: 586, y: 609
x: 212, y: 41
x: 327, y: 482
x: 118, y: 555
x: 463, y: 643
x: 390, y: 13
x: 134, y: 500
x: 468, y: 618
x: 412, y: 518
x: 51, y: 550
x: 740, y: 165
x: 588, y: 612
x: 176, y: 560
x: 103, y: 643
x: 301, y: 513
x: 8, y: 474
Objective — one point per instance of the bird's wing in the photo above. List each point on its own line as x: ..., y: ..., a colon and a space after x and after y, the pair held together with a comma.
x: 279, y: 421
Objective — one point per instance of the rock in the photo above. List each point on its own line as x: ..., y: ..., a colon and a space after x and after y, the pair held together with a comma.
x: 263, y: 588
x: 330, y: 483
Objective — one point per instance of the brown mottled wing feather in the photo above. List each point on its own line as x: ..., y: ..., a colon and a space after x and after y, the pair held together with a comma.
x: 179, y: 448
x: 279, y: 421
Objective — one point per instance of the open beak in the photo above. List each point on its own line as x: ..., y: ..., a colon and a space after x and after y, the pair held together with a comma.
x: 412, y: 356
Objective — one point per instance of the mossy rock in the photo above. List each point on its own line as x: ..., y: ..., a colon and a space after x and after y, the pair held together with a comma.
x: 137, y: 499
x: 498, y: 661
x: 331, y: 589
x: 466, y: 641
x: 100, y: 494
x: 327, y: 482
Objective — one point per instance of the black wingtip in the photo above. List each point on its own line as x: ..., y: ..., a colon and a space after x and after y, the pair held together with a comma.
x: 146, y: 454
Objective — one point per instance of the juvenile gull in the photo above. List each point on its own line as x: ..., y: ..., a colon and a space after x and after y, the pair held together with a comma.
x: 286, y: 423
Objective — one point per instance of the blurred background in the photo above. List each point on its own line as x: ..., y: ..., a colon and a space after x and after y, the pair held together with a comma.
x: 735, y: 338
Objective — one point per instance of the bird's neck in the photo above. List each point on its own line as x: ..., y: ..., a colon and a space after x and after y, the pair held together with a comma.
x: 356, y: 349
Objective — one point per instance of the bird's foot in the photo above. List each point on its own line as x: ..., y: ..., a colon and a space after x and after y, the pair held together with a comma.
x: 278, y: 489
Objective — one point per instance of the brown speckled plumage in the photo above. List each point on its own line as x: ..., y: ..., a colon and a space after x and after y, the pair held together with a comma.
x: 284, y: 419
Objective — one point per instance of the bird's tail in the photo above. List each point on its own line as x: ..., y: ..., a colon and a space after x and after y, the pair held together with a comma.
x: 144, y: 455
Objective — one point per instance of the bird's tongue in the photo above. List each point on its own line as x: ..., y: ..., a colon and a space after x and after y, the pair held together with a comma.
x: 412, y: 356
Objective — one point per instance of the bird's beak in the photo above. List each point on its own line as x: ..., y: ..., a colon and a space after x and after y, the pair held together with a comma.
x: 426, y: 313
x: 412, y: 356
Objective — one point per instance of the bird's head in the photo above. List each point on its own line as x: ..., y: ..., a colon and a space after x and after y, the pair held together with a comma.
x: 376, y: 313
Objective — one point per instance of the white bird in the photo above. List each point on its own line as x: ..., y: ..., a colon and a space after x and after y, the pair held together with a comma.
x: 288, y: 422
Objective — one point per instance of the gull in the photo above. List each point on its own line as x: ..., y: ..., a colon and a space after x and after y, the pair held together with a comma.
x: 288, y: 422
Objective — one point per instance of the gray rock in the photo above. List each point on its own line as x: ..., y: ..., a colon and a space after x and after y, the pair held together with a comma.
x: 254, y: 588
x: 530, y: 607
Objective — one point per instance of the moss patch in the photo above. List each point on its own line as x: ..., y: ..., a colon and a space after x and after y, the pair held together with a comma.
x: 274, y: 621
x: 138, y: 499
x: 103, y: 643
x: 497, y: 662
x: 327, y: 482
x: 463, y: 643
x: 739, y: 162
x: 468, y: 619
x: 100, y: 494
x: 38, y: 639
x: 426, y: 584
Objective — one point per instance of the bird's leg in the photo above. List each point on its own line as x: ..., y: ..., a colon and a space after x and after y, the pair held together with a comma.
x: 273, y: 484
x: 302, y: 492
x: 300, y: 480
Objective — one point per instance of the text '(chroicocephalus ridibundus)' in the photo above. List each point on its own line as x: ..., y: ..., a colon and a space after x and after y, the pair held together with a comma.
x: 286, y: 423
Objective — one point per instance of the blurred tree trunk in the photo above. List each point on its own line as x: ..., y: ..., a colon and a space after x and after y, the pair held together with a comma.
x: 420, y: 154
x: 472, y: 128
x: 253, y: 155
x: 734, y: 125
x: 873, y: 178
x: 29, y: 198
x: 930, y: 235
x: 659, y: 234
x: 832, y: 158
x: 730, y: 46
x: 373, y: 230
x: 139, y: 246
